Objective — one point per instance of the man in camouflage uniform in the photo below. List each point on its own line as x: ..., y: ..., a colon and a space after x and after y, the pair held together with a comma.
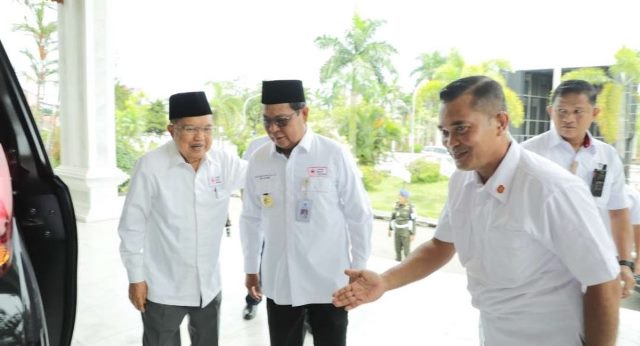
x: 403, y: 222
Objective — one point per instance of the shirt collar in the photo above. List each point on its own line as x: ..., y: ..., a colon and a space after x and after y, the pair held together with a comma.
x: 500, y: 183
x: 556, y: 139
x: 307, y: 139
x: 305, y: 142
x: 175, y: 158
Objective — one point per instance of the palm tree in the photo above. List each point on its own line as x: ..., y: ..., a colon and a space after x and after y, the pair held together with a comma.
x: 43, y: 65
x: 236, y: 111
x: 43, y: 34
x: 427, y: 92
x: 358, y: 64
x: 429, y: 63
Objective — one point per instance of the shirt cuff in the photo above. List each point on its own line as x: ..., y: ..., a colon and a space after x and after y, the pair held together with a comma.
x: 135, y: 275
x: 251, y: 265
x: 359, y: 263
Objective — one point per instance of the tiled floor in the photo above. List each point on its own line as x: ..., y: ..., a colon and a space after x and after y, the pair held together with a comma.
x: 435, y: 311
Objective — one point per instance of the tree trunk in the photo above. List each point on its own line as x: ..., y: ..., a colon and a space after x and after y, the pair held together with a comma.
x: 630, y: 117
x: 353, y: 120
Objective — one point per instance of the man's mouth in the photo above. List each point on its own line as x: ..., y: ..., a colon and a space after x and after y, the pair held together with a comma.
x: 458, y: 154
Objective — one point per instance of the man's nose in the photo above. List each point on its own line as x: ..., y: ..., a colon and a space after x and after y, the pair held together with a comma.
x: 272, y: 127
x: 568, y: 117
x: 451, y: 141
x: 199, y: 134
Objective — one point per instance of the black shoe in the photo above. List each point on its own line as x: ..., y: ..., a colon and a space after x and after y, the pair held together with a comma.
x: 249, y: 312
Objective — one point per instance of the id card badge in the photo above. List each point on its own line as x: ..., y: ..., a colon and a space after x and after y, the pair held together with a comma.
x: 303, y: 212
x: 266, y: 200
x: 597, y: 183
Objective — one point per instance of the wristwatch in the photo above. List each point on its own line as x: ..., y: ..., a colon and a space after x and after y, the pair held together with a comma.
x: 629, y: 264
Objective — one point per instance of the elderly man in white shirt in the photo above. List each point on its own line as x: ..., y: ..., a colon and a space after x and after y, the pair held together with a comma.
x: 569, y: 144
x: 527, y: 232
x: 172, y: 223
x: 304, y: 198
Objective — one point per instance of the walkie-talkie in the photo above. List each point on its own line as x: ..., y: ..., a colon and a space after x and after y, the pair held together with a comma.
x: 597, y: 184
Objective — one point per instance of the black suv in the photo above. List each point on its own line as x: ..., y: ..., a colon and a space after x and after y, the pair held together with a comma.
x: 38, y: 236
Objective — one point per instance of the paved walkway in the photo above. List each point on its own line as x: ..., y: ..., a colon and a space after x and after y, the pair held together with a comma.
x: 434, y: 311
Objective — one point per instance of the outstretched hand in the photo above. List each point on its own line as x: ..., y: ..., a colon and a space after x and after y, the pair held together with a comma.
x: 365, y: 286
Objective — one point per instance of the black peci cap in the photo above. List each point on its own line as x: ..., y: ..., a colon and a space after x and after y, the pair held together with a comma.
x: 282, y: 91
x: 189, y: 104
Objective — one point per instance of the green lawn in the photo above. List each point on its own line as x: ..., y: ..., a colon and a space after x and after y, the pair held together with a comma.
x: 427, y: 198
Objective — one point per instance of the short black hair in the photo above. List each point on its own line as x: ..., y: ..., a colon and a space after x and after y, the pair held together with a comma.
x: 484, y: 90
x: 296, y: 106
x: 575, y: 86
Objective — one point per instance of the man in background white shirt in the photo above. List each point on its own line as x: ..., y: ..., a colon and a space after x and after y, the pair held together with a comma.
x: 172, y: 223
x: 569, y: 144
x: 634, y: 215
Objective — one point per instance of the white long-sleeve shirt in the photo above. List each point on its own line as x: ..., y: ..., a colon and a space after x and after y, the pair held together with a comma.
x: 172, y: 221
x: 529, y: 238
x: 304, y: 262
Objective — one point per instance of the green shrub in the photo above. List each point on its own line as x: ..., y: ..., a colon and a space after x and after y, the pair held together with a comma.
x: 126, y: 156
x: 423, y: 171
x: 371, y: 177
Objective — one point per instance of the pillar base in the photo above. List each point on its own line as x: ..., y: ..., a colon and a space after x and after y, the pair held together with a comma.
x: 94, y: 192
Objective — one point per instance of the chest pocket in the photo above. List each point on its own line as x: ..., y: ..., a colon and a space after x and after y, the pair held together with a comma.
x: 219, y: 192
x: 586, y: 173
x: 321, y: 185
x: 267, y: 185
x: 603, y: 200
x: 507, y: 255
x: 215, y: 183
x: 462, y: 238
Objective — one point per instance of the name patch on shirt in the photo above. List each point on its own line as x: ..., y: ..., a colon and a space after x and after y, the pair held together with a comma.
x: 317, y: 171
x: 214, y: 181
x: 264, y: 176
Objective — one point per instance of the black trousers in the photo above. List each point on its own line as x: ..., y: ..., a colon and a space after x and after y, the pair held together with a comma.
x: 328, y: 323
x: 162, y: 323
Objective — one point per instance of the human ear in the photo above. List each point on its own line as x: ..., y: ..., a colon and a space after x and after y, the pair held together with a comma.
x: 502, y: 119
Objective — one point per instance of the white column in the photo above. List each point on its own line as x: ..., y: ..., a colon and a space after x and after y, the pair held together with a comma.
x: 557, y: 77
x: 87, y: 110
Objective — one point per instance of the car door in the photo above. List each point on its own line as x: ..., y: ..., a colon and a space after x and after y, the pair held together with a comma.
x: 42, y: 208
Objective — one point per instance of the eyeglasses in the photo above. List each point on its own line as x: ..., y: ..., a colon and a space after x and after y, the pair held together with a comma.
x: 279, y: 121
x: 192, y: 130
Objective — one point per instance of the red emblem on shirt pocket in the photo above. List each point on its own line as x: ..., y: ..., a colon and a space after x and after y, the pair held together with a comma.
x: 317, y: 171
